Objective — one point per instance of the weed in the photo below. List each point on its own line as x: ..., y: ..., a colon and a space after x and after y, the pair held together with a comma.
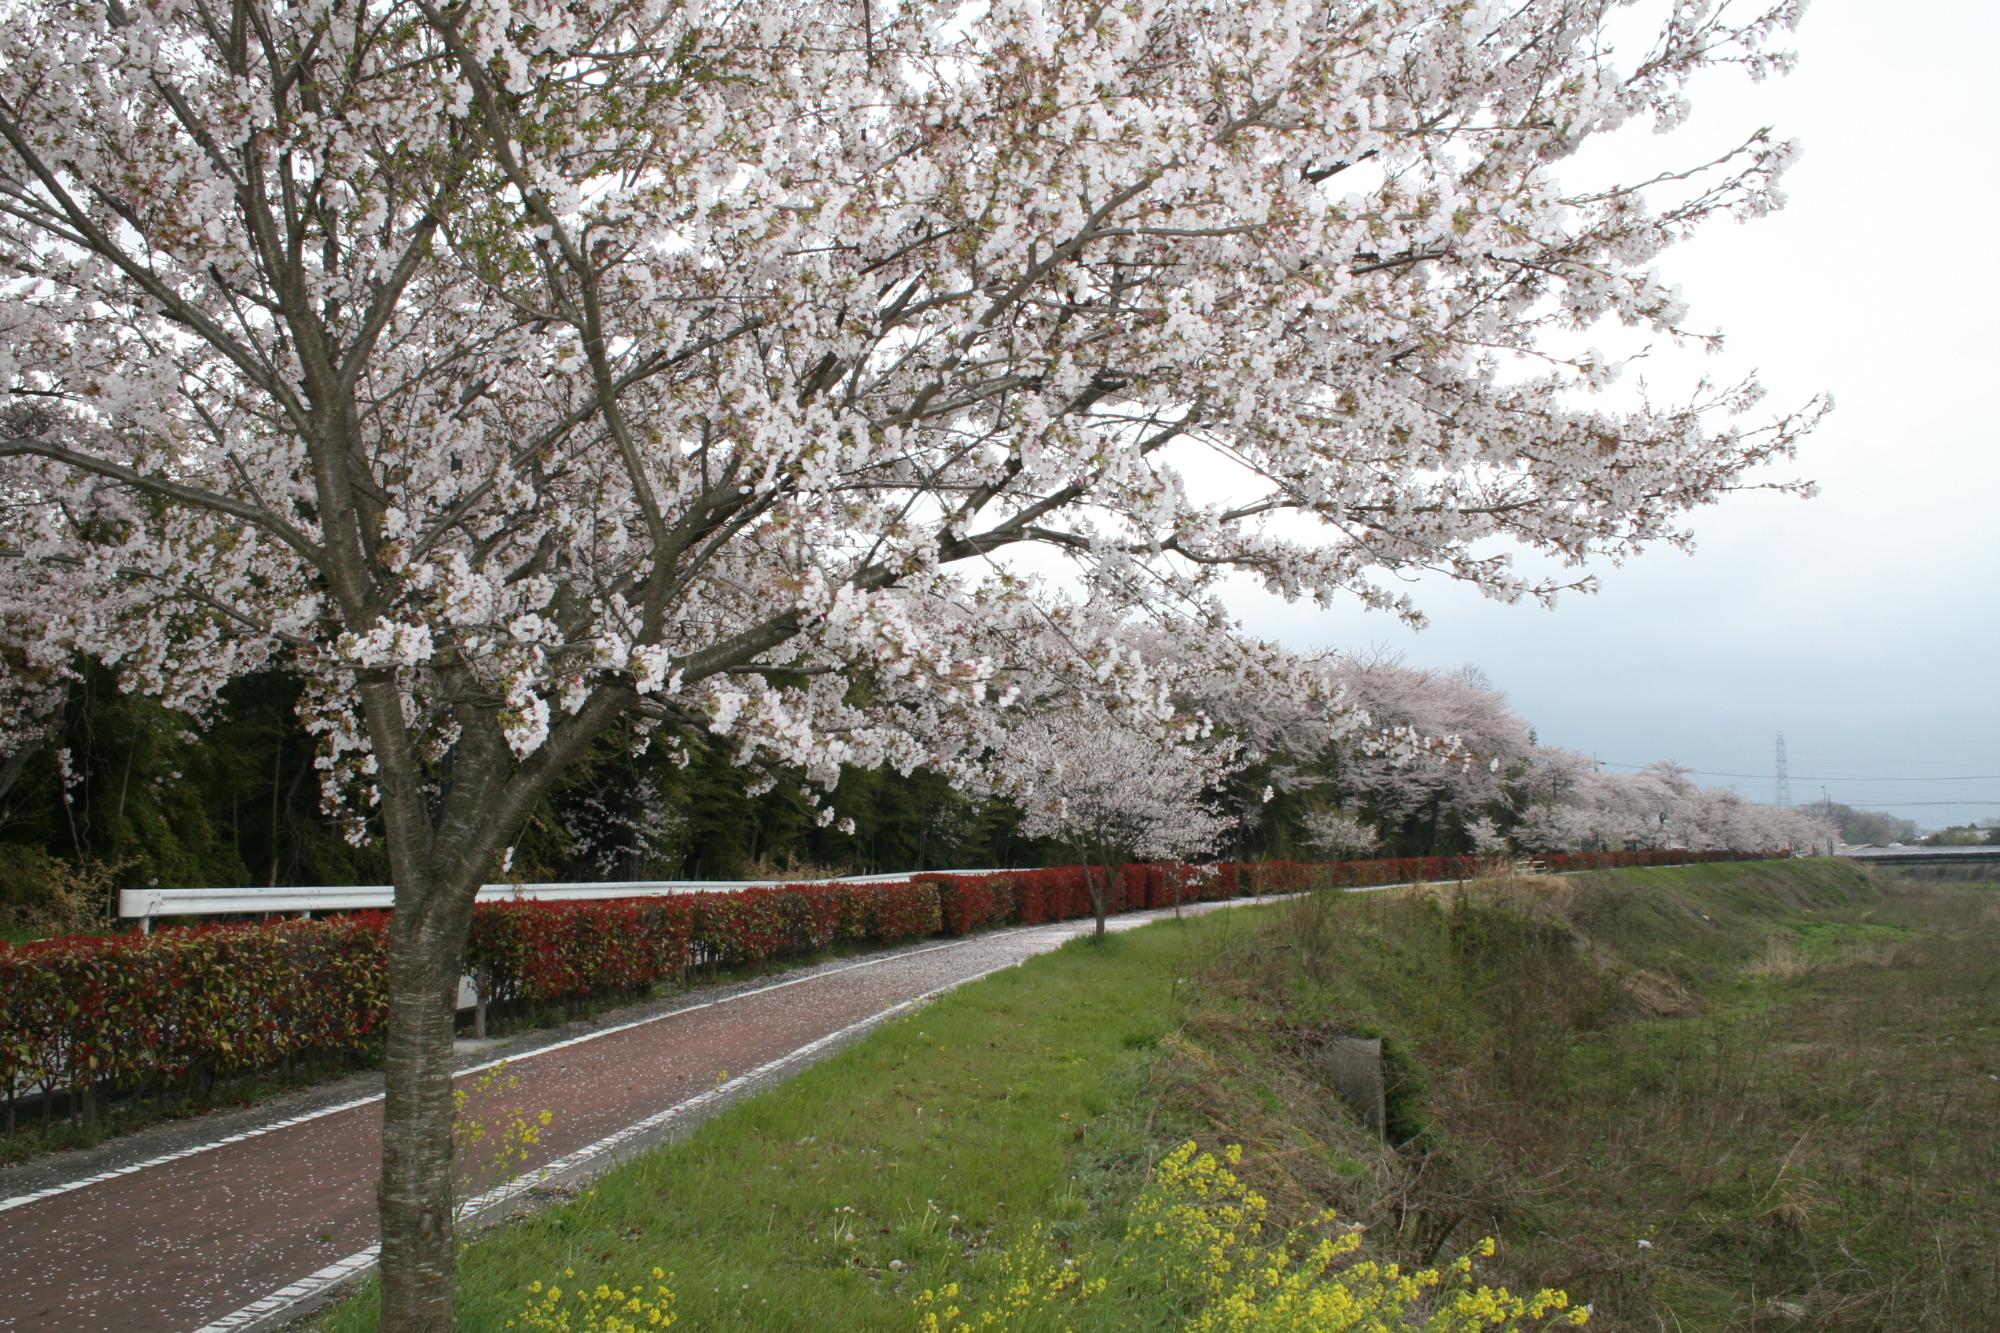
x: 491, y: 1142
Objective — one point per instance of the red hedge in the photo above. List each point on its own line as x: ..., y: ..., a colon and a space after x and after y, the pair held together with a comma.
x: 133, y: 1010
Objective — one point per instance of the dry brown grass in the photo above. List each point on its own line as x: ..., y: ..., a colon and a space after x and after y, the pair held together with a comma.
x: 1783, y: 960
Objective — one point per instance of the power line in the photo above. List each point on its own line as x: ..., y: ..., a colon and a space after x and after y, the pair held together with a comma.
x: 1712, y: 773
x: 1870, y: 761
x: 1907, y: 805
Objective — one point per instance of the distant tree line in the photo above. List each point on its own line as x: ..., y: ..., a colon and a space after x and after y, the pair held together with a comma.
x: 1976, y: 834
x: 123, y: 792
x: 1860, y: 827
x: 1873, y: 827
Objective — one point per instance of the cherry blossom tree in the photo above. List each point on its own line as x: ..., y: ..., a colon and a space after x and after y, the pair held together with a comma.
x: 1553, y: 826
x: 622, y: 832
x: 34, y: 665
x: 1087, y: 779
x: 1438, y: 752
x: 1573, y: 804
x: 1486, y: 838
x: 1339, y: 834
x: 1121, y: 740
x: 511, y: 373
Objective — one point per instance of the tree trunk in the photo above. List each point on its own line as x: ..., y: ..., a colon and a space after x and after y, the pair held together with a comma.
x: 442, y: 840
x: 277, y: 791
x: 416, y: 1192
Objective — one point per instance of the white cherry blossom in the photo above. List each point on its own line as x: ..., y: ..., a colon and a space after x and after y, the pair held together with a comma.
x: 512, y: 371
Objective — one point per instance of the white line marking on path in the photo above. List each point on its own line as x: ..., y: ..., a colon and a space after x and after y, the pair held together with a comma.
x: 284, y: 1298
x: 67, y: 1187
x: 358, y: 1264
x: 288, y: 1298
x: 1120, y: 922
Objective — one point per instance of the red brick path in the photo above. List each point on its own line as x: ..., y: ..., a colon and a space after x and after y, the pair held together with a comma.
x: 181, y: 1243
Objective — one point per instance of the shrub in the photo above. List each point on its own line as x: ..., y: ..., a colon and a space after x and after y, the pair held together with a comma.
x: 812, y: 916
x: 968, y: 902
x: 965, y: 902
x: 905, y: 911
x: 1204, y: 1240
x: 738, y: 928
x: 851, y: 912
x: 49, y: 896
x: 82, y: 1013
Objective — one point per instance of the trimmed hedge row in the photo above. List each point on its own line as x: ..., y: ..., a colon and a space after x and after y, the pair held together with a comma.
x: 134, y: 1012
x: 137, y: 1011
x: 564, y: 952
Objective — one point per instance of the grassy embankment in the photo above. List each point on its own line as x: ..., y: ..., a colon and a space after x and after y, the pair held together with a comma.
x: 1733, y: 1096
x: 1719, y: 1097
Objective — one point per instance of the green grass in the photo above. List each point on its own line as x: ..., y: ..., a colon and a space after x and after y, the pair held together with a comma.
x: 901, y: 1163
x: 1826, y: 941
x: 1698, y: 923
x: 1821, y: 1145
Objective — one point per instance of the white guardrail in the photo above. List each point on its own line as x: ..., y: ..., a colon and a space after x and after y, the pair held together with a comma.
x: 150, y: 904
x: 147, y: 905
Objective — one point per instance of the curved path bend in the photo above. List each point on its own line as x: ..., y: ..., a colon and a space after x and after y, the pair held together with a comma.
x: 250, y: 1229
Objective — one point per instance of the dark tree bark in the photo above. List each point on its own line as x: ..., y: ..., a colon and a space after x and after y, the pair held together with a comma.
x: 417, y: 1190
x: 1102, y: 889
x: 444, y: 837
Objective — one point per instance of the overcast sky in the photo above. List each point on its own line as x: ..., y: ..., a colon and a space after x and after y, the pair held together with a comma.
x: 1863, y: 624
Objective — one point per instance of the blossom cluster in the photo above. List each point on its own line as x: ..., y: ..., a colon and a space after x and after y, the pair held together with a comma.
x: 688, y: 364
x: 1579, y: 804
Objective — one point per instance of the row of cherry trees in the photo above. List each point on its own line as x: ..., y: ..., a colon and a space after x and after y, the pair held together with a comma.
x: 236, y: 804
x: 1492, y: 788
x: 1656, y: 807
x: 522, y: 376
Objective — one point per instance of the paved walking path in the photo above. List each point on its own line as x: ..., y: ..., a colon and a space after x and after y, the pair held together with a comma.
x: 243, y: 1231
